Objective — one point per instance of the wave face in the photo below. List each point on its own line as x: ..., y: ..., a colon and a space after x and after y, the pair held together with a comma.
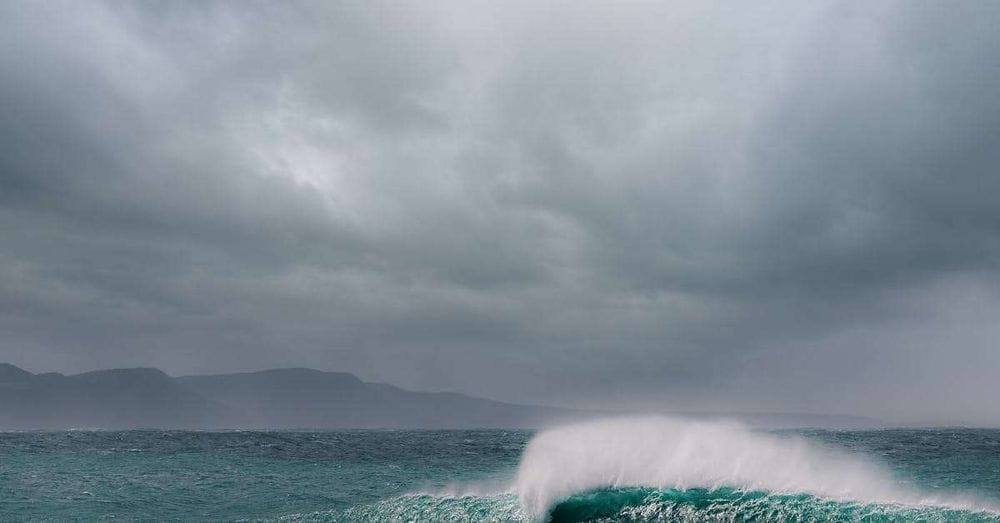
x: 700, y: 505
x: 662, y: 468
x: 636, y: 504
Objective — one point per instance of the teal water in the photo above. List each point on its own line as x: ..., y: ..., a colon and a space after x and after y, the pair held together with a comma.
x: 490, y: 475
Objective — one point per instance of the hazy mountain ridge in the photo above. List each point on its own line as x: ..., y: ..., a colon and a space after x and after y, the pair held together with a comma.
x: 293, y: 398
x: 278, y: 398
x: 117, y: 398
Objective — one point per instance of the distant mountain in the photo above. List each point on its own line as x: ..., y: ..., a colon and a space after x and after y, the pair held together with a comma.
x: 289, y: 398
x: 281, y: 398
x: 285, y: 399
x: 119, y: 398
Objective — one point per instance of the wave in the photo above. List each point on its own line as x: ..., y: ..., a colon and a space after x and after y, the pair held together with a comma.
x: 658, y: 463
x: 665, y: 469
x: 701, y: 505
x: 644, y: 504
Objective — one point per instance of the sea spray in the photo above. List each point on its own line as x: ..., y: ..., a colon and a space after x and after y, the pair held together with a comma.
x: 674, y: 454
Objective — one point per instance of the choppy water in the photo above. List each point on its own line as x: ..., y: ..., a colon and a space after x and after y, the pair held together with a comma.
x: 622, y: 470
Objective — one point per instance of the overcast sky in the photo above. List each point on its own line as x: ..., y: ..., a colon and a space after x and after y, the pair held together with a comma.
x: 766, y: 206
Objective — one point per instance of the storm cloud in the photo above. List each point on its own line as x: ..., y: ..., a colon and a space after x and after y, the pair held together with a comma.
x: 685, y: 205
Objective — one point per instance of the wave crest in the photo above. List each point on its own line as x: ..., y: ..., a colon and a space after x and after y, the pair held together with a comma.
x: 672, y: 454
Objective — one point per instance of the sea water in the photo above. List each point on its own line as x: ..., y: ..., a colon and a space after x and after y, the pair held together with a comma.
x: 640, y: 469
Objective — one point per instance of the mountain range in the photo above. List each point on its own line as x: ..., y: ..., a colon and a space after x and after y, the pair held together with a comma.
x: 278, y: 398
x: 294, y: 398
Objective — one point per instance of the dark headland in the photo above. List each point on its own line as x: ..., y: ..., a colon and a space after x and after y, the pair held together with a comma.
x: 280, y: 399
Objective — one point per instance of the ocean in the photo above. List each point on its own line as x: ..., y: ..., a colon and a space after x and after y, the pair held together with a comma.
x: 648, y: 469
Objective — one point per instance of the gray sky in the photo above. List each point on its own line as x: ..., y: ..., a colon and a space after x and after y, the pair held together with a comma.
x: 767, y: 206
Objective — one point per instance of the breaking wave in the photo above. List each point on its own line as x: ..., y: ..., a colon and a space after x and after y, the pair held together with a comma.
x: 672, y: 456
x: 664, y: 469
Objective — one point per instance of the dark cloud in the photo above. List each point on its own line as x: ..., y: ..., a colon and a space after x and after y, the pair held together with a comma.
x: 787, y: 206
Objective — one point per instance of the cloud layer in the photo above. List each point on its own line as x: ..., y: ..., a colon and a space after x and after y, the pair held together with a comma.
x: 685, y: 205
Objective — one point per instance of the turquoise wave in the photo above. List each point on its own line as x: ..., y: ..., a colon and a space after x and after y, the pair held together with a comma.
x: 648, y: 504
x: 663, y: 469
x: 698, y: 505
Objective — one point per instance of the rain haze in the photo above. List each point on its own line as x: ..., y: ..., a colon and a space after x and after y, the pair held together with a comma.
x: 681, y: 206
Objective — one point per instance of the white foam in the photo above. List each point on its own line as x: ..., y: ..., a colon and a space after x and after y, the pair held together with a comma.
x: 662, y: 452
